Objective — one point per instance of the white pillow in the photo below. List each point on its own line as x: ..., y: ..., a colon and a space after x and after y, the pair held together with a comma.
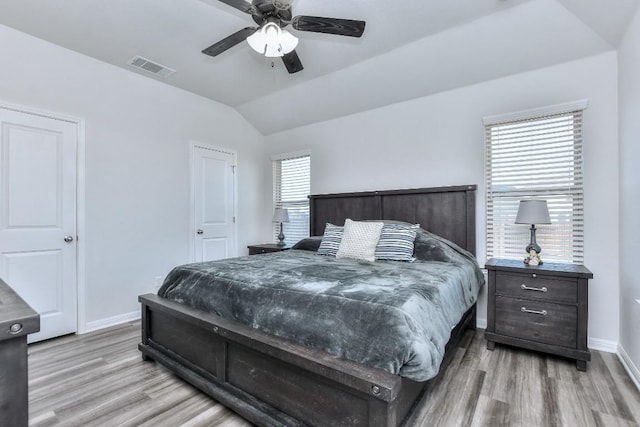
x: 359, y: 240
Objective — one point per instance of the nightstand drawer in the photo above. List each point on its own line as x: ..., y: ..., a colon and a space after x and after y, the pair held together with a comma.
x: 533, y: 285
x: 538, y: 321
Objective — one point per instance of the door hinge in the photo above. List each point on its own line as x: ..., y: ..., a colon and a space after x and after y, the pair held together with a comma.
x: 233, y: 168
x: 234, y: 219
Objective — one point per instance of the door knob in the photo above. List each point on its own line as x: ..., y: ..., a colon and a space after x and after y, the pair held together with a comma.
x: 200, y: 231
x: 68, y: 239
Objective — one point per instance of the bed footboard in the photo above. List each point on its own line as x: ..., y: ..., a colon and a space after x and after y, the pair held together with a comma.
x: 268, y: 380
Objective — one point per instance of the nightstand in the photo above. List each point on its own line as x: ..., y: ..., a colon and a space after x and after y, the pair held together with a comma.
x: 542, y: 308
x: 266, y: 248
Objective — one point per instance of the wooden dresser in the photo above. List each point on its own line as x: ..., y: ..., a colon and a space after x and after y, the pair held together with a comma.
x: 542, y: 308
x: 17, y: 320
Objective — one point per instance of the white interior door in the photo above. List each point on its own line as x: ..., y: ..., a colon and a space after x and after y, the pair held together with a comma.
x: 214, y: 213
x: 38, y: 217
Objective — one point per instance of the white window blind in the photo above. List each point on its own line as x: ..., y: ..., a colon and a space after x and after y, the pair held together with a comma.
x: 291, y: 188
x: 540, y: 158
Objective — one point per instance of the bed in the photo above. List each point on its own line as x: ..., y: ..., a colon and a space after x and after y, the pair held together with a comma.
x: 271, y: 380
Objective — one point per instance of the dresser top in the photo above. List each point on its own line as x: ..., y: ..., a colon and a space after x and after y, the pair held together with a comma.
x: 573, y: 270
x: 13, y: 309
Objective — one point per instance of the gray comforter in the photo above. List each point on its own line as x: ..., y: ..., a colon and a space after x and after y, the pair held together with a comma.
x: 391, y: 315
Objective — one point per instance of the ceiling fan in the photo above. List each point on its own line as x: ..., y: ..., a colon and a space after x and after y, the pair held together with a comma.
x: 271, y: 39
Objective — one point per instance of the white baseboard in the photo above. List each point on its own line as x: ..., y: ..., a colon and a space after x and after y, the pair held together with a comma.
x: 603, y: 345
x: 111, y: 321
x: 629, y: 366
x: 481, y: 323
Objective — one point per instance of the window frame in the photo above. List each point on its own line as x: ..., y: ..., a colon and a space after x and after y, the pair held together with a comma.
x: 498, y: 230
x: 279, y: 204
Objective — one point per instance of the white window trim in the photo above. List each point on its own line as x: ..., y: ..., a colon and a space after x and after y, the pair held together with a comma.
x: 536, y: 112
x: 291, y: 155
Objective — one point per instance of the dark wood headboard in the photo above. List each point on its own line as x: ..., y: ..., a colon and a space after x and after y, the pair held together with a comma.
x: 449, y: 212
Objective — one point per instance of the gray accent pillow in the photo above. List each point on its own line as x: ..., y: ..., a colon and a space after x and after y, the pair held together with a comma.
x: 431, y: 247
x: 309, y: 244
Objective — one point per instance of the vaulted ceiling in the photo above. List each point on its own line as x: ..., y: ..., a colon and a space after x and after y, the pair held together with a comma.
x: 410, y: 48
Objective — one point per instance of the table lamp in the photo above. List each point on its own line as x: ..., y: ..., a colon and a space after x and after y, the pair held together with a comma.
x: 280, y: 215
x: 533, y: 212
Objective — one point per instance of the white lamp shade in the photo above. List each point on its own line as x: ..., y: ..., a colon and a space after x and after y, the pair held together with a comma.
x: 257, y: 42
x: 271, y: 41
x: 280, y: 215
x: 533, y: 212
x: 288, y: 42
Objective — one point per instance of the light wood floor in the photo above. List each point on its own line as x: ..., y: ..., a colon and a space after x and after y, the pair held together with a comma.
x: 99, y: 379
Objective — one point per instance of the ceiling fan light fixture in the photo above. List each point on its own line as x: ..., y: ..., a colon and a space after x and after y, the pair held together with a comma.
x: 272, y: 41
x: 288, y: 42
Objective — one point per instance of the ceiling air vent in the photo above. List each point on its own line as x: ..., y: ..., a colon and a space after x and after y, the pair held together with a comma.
x: 150, y: 66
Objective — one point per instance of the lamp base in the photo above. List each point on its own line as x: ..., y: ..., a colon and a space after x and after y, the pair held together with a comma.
x: 533, y: 260
x: 533, y: 246
x: 281, y: 237
x: 533, y: 249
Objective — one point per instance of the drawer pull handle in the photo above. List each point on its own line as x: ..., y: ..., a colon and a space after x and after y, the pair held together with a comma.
x: 542, y: 313
x: 528, y: 288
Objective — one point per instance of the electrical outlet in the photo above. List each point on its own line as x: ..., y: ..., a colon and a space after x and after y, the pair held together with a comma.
x: 159, y: 281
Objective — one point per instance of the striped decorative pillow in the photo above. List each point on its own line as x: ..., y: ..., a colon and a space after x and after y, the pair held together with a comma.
x: 396, y: 242
x: 331, y: 240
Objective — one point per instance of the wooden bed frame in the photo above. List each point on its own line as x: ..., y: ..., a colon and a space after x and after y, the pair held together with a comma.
x: 272, y: 381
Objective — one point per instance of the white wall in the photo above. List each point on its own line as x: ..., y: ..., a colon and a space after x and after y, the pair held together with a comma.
x: 438, y: 140
x: 629, y: 68
x: 138, y: 134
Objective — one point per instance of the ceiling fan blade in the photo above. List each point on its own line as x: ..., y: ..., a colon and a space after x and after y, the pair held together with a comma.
x: 241, y: 5
x: 229, y: 42
x: 340, y: 27
x: 292, y: 62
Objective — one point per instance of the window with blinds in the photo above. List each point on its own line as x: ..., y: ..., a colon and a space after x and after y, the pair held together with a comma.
x: 291, y: 188
x: 535, y: 158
